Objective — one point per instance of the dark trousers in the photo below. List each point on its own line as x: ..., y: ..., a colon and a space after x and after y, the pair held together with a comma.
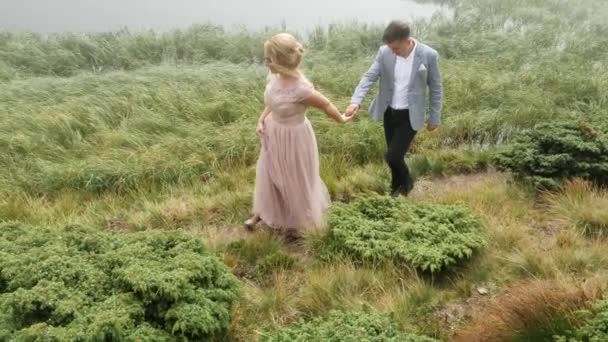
x: 399, y: 135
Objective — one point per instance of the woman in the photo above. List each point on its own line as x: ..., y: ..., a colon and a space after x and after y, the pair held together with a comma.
x: 289, y: 192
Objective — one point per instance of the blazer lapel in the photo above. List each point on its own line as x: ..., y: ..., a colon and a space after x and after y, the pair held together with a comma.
x: 392, y: 61
x: 416, y: 64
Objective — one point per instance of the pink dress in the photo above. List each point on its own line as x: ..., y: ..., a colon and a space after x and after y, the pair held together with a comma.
x: 289, y: 192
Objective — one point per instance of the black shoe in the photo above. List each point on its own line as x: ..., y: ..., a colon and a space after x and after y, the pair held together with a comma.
x: 395, y: 193
x: 403, y: 190
x: 409, y: 187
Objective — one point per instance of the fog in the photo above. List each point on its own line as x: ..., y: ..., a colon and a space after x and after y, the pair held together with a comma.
x: 93, y: 15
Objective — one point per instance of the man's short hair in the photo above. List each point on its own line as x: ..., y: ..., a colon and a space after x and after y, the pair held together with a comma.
x: 396, y: 30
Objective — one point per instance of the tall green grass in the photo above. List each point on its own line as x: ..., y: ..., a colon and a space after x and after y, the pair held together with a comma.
x: 188, y: 109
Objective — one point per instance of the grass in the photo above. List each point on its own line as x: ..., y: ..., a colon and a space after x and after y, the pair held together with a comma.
x: 517, y: 251
x: 135, y: 130
x: 534, y: 311
x: 582, y: 207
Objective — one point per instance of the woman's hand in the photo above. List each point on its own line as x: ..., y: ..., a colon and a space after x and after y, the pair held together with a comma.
x: 260, y: 129
x: 344, y: 118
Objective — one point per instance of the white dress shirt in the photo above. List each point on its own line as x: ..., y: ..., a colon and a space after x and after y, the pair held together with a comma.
x: 403, y: 72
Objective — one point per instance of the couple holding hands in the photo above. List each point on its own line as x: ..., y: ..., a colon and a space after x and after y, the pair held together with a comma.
x: 289, y: 193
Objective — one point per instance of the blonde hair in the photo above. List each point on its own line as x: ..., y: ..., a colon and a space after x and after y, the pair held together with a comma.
x: 285, y: 53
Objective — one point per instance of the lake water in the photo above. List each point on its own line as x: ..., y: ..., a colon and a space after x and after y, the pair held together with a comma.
x: 48, y: 16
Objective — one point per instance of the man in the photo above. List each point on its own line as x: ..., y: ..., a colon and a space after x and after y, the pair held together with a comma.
x: 405, y: 68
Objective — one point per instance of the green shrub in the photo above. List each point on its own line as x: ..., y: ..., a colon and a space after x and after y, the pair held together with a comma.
x: 346, y: 327
x: 427, y: 237
x: 552, y: 153
x: 595, y: 329
x: 76, y: 283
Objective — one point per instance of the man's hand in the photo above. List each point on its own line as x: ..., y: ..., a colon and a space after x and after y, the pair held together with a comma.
x: 430, y: 127
x: 351, y: 110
